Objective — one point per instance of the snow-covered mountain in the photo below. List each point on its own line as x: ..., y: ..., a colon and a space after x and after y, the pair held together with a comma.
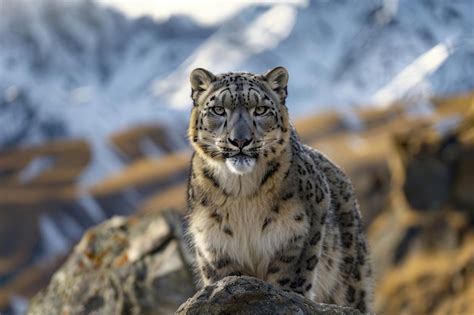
x: 79, y: 69
x: 343, y: 52
x: 74, y: 68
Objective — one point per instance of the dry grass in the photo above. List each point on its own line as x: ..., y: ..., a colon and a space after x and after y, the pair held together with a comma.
x: 144, y: 171
x: 430, y: 283
x: 454, y: 104
x: 173, y: 197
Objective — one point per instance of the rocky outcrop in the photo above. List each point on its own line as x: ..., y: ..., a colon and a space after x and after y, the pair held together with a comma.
x: 123, y: 266
x: 140, y: 265
x: 247, y: 295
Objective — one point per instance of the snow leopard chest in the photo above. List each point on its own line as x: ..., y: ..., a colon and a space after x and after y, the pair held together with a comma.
x: 250, y: 231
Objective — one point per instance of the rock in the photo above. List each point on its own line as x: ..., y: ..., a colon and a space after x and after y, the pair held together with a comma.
x: 247, y: 295
x: 123, y: 266
x: 436, y: 159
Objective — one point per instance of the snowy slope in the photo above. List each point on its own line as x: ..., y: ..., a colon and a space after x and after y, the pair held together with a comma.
x: 343, y: 52
x: 73, y: 68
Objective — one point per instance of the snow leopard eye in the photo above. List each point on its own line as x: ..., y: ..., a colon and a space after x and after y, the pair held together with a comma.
x: 261, y: 110
x: 218, y: 110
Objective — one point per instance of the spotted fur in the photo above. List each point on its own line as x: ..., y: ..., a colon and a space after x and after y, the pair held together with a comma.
x: 282, y: 212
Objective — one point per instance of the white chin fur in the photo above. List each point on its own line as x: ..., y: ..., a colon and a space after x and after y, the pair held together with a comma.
x: 240, y: 165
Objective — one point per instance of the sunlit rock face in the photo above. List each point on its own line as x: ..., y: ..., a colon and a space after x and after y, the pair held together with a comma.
x: 122, y: 266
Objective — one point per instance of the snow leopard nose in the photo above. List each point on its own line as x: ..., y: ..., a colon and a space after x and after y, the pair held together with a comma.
x: 240, y: 143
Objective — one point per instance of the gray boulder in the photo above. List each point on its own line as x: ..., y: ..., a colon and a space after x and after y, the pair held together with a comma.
x: 124, y: 266
x: 247, y: 295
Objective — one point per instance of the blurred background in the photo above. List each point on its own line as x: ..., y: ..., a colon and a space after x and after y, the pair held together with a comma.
x: 94, y: 102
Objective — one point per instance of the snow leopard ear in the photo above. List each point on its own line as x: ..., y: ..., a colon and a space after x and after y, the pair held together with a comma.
x: 200, y: 80
x: 277, y: 79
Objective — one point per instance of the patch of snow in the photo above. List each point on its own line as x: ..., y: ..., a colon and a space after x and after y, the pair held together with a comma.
x: 448, y: 124
x: 35, y: 168
x: 351, y: 120
x: 133, y: 198
x: 52, y: 239
x: 11, y: 94
x: 72, y: 228
x: 420, y: 107
x: 412, y: 75
x: 197, y: 10
x: 149, y: 148
x: 93, y: 209
x: 18, y: 304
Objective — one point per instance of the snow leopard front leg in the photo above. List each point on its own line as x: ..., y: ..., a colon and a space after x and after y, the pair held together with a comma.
x: 295, y: 265
x: 292, y: 267
x: 213, y: 266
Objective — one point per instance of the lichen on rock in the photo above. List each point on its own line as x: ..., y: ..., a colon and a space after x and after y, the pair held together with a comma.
x: 123, y: 266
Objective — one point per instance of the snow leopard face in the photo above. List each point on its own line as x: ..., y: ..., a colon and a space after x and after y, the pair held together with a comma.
x: 239, y: 118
